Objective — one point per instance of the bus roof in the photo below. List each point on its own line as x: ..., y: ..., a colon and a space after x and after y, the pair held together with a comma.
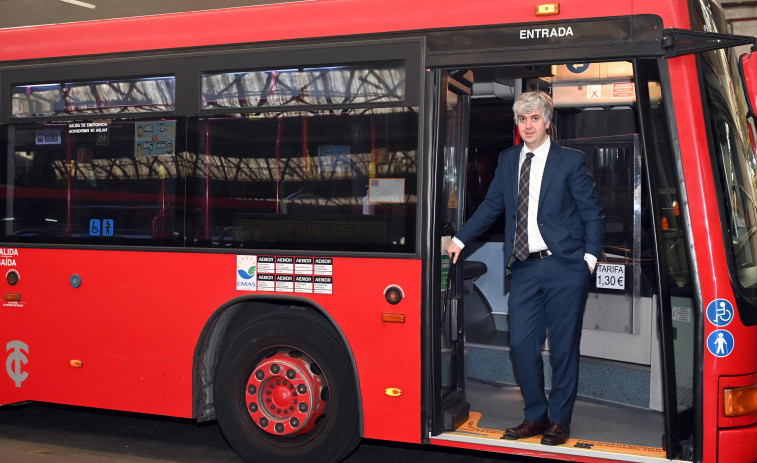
x: 301, y: 19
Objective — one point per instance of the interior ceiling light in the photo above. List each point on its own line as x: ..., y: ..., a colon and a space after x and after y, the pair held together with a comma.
x: 78, y: 3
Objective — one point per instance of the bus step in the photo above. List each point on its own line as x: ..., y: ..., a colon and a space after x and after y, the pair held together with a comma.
x: 616, y: 382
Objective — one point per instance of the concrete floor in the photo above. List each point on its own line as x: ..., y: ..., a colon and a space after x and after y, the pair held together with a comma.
x: 38, y: 433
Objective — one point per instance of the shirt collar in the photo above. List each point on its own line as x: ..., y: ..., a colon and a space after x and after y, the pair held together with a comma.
x: 540, y: 153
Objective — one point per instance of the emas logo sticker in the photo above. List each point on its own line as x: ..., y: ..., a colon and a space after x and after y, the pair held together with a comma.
x: 247, y: 276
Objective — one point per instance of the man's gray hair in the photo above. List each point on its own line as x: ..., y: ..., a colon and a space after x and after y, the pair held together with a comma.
x: 533, y: 101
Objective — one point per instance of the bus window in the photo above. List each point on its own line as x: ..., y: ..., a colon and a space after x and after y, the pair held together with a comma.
x: 85, y: 181
x: 152, y: 94
x: 343, y: 178
x: 734, y: 150
x: 88, y: 180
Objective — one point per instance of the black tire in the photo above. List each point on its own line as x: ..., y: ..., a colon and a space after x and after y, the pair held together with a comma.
x: 334, y: 435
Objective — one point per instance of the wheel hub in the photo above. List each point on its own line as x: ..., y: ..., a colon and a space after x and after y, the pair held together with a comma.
x: 283, y: 394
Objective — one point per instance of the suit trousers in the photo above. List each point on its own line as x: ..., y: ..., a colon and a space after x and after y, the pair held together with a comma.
x: 547, y: 296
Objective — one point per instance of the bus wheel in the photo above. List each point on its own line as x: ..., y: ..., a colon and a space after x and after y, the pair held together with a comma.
x: 284, y: 391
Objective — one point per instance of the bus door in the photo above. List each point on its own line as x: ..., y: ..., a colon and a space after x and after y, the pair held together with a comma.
x: 638, y: 339
x: 452, y: 106
x: 676, y: 319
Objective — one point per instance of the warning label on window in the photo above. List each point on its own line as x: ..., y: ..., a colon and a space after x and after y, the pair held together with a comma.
x: 623, y: 90
x: 285, y: 274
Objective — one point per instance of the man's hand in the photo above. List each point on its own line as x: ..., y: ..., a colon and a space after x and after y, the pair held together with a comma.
x: 453, y: 250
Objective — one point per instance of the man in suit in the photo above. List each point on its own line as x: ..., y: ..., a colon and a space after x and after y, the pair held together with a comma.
x: 554, y: 228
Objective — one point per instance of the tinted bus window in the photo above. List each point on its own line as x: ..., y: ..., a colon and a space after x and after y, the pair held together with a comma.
x: 141, y: 95
x: 341, y: 176
x: 340, y: 85
x: 734, y: 151
x: 92, y: 182
x: 343, y: 180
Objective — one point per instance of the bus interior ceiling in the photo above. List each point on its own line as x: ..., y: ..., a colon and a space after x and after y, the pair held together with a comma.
x: 619, y: 383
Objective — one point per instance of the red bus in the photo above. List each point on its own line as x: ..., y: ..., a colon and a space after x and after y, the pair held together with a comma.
x: 238, y: 215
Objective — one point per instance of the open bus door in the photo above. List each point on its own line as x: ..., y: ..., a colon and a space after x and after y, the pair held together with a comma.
x: 628, y: 151
x: 660, y: 315
x: 452, y: 105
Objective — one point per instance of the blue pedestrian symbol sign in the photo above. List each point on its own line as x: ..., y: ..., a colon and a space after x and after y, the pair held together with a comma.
x: 720, y: 343
x: 720, y: 312
x: 107, y: 227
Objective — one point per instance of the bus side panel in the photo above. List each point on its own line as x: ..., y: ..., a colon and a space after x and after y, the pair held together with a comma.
x: 273, y: 22
x: 118, y: 330
x: 704, y: 217
x: 738, y: 445
x: 388, y: 355
x: 119, y: 339
x: 711, y: 259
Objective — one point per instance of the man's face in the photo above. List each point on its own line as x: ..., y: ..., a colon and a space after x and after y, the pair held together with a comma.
x: 532, y: 128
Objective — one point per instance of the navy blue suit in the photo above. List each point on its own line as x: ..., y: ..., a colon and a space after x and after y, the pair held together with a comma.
x: 549, y: 293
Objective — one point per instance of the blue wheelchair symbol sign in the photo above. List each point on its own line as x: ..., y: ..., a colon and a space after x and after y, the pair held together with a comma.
x: 94, y: 227
x: 720, y: 343
x: 720, y: 312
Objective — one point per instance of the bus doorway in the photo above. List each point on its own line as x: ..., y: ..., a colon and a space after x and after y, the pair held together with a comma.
x: 636, y: 375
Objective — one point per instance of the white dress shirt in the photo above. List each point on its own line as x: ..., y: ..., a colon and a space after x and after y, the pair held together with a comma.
x: 535, y: 241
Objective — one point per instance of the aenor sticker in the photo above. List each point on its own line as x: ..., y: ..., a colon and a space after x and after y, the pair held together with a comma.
x: 285, y: 274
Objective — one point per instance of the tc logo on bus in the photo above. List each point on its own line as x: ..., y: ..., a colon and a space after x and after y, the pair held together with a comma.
x: 16, y: 360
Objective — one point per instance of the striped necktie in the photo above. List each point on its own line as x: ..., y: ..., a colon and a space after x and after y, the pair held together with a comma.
x: 521, y: 224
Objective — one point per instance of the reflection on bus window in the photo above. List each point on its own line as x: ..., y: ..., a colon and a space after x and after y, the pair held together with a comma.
x: 110, y: 97
x: 340, y: 176
x: 298, y: 87
x: 320, y: 180
x: 734, y: 150
x: 99, y: 182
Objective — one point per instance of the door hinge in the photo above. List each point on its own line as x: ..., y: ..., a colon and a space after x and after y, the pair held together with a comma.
x: 678, y: 42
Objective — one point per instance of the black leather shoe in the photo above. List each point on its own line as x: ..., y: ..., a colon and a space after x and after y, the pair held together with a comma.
x: 556, y: 434
x: 525, y: 429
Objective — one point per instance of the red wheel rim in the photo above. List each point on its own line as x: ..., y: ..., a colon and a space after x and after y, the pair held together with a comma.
x: 284, y: 394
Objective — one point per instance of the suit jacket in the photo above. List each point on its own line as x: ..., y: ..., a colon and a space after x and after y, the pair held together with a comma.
x: 569, y: 215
